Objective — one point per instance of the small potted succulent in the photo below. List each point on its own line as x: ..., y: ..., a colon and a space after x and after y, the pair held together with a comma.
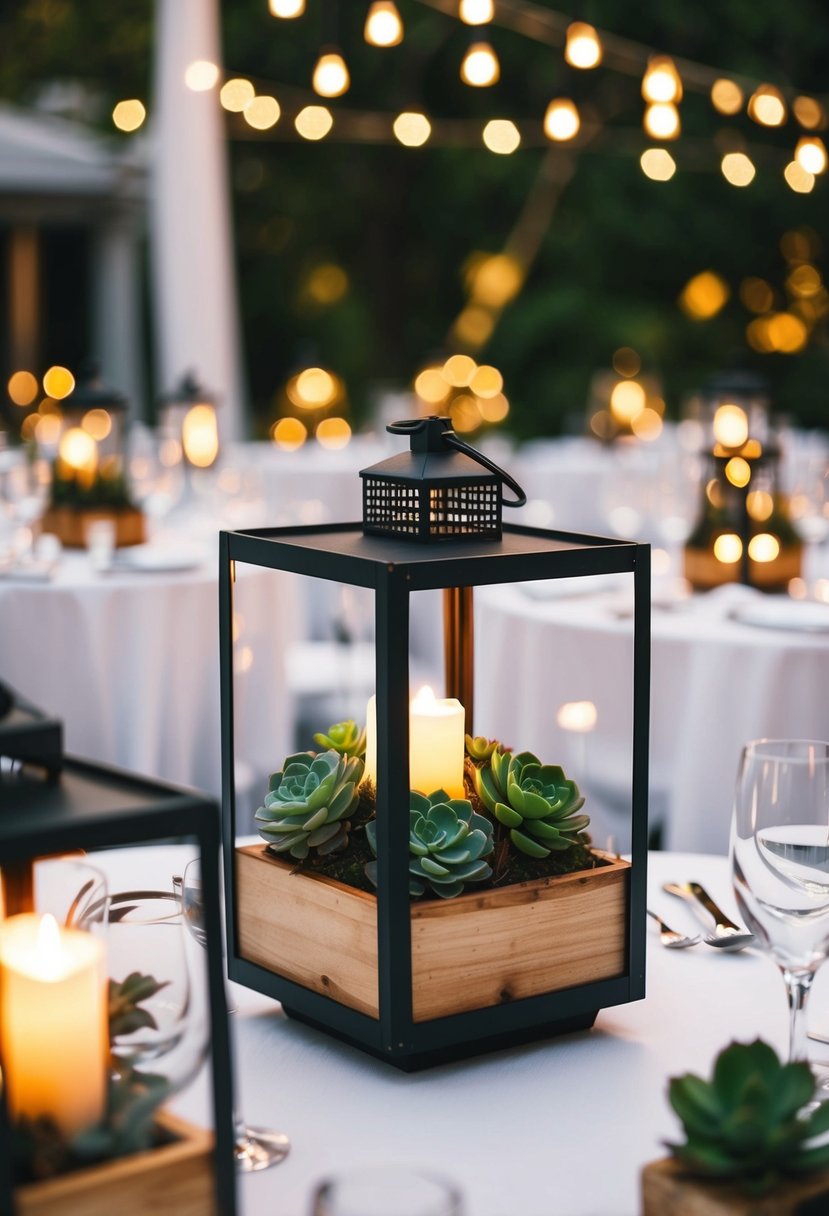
x: 755, y: 1141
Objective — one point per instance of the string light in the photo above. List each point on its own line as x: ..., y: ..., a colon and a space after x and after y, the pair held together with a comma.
x: 798, y: 178
x: 502, y: 136
x: 661, y: 120
x: 561, y: 121
x: 262, y: 113
x: 314, y: 122
x: 58, y: 382
x: 480, y: 67
x: 129, y: 115
x: 476, y: 12
x: 810, y: 154
x: 22, y: 388
x: 201, y: 76
x: 331, y: 78
x: 383, y: 24
x: 411, y: 128
x: 661, y: 82
x: 726, y: 96
x: 287, y: 9
x: 236, y: 94
x: 766, y: 106
x: 583, y: 48
x: 809, y: 113
x: 658, y: 164
x: 737, y: 169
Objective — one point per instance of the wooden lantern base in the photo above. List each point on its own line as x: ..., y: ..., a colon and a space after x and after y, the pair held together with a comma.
x: 177, y: 1178
x: 668, y: 1190
x: 481, y: 949
x: 69, y: 524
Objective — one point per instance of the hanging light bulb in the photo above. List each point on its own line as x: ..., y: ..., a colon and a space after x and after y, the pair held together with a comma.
x: 583, y: 49
x: 286, y: 8
x: 480, y: 66
x: 383, y: 24
x: 561, y: 120
x: 766, y: 106
x: 810, y: 154
x: 661, y: 120
x: 331, y: 78
x: 476, y: 12
x: 661, y: 82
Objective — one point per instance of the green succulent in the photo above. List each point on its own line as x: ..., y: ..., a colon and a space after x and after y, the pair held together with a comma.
x: 479, y: 748
x: 345, y: 738
x: 447, y: 843
x: 747, y: 1125
x: 308, y: 803
x: 534, y: 800
x: 125, y: 997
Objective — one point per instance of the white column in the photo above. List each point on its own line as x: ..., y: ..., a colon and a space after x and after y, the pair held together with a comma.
x: 194, y: 288
x: 116, y: 307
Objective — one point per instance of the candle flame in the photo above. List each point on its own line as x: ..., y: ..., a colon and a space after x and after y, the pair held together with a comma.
x: 48, y: 948
x: 425, y: 696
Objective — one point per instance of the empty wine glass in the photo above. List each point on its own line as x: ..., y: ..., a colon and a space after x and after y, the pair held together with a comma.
x: 255, y: 1148
x: 386, y: 1191
x: 780, y: 862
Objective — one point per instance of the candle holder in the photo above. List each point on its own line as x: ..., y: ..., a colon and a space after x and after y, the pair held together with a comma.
x: 186, y: 1171
x: 188, y: 414
x: 419, y: 982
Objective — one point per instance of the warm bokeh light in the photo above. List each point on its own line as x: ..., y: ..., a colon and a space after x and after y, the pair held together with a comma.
x: 200, y: 436
x: 798, y: 588
x: 626, y: 362
x: 728, y: 548
x: 287, y: 9
x: 22, y: 388
x: 730, y: 425
x: 766, y: 106
x: 411, y: 128
x: 810, y: 154
x: 658, y: 164
x: 486, y: 381
x: 201, y: 75
x: 289, y: 433
x: 465, y: 414
x: 738, y: 472
x: 579, y: 716
x: 432, y: 386
x: 661, y: 81
x: 97, y: 423
x: 627, y: 399
x: 704, y: 296
x: 333, y: 433
x: 496, y: 279
x: 786, y: 333
x: 561, y: 120
x: 383, y: 26
x: 458, y: 370
x: 170, y: 452
x: 647, y: 424
x: 314, y: 388
x: 476, y: 12
x: 262, y: 113
x: 760, y: 505
x: 480, y: 67
x: 47, y: 430
x: 804, y: 280
x: 330, y: 78
x: 756, y: 294
x: 764, y: 547
x: 314, y: 122
x: 737, y: 169
x: 726, y: 96
x: 78, y: 449
x: 58, y: 382
x: 236, y: 94
x: 129, y: 115
x: 661, y: 120
x: 474, y: 325
x: 502, y: 136
x: 583, y: 48
x: 493, y: 409
x: 798, y: 179
x: 326, y: 284
x: 809, y: 113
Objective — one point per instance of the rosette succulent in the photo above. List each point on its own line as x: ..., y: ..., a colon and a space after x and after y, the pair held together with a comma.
x: 479, y: 749
x: 748, y: 1124
x: 308, y: 803
x: 448, y: 842
x: 534, y: 800
x: 345, y: 738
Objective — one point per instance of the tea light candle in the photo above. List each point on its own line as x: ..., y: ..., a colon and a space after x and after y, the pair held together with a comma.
x: 436, y: 743
x: 53, y: 1022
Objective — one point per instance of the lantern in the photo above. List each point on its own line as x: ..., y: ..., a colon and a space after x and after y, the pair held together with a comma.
x: 188, y: 414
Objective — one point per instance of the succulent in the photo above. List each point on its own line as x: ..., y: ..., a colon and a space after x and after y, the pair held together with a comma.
x: 534, y: 800
x: 125, y: 1014
x: 479, y: 748
x: 747, y: 1124
x: 345, y: 738
x: 447, y: 844
x: 308, y: 803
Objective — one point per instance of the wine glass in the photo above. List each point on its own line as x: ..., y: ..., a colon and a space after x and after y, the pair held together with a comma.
x: 780, y: 862
x: 386, y: 1191
x: 255, y: 1148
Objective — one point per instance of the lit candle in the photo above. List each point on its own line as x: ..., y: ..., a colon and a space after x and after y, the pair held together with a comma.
x: 436, y: 743
x: 53, y: 1022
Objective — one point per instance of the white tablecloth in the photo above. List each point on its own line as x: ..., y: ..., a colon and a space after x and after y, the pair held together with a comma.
x: 716, y: 683
x: 562, y: 1126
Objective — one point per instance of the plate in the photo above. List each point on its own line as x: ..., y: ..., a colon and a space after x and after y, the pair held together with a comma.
x: 160, y: 559
x: 803, y: 616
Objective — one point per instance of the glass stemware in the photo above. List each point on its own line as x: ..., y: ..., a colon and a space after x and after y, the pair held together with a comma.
x: 386, y: 1191
x: 255, y: 1148
x: 780, y: 862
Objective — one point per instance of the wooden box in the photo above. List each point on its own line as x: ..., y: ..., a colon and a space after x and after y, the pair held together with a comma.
x: 668, y: 1190
x: 323, y: 934
x: 177, y: 1178
x: 69, y: 524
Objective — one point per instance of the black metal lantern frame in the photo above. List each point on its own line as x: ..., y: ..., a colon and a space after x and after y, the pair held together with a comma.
x: 394, y: 569
x: 92, y: 807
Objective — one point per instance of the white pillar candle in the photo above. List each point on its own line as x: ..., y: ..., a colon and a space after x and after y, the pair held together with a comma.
x: 53, y: 1022
x: 436, y: 743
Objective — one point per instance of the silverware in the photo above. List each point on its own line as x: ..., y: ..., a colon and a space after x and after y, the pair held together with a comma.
x: 726, y: 935
x: 672, y: 938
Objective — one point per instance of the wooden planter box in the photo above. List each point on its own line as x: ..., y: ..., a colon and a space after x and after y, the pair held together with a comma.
x: 175, y: 1179
x: 481, y: 949
x: 667, y: 1190
x: 70, y: 524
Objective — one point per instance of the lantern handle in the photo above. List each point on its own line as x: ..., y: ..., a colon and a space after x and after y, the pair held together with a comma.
x: 440, y: 429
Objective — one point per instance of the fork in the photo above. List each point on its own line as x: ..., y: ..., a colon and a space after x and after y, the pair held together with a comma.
x: 726, y: 935
x: 672, y: 938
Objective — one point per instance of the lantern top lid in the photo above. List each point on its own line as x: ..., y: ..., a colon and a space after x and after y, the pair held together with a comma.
x: 188, y: 391
x: 738, y: 382
x: 436, y: 453
x: 90, y: 391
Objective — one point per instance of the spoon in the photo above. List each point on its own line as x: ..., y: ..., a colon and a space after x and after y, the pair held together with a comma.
x: 672, y: 938
x: 726, y: 935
